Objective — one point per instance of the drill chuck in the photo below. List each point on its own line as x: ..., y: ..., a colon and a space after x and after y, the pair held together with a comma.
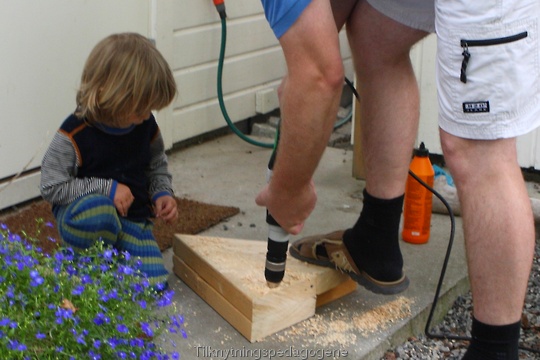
x: 276, y: 256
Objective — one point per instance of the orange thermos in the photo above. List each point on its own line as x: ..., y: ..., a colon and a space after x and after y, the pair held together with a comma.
x: 418, y: 199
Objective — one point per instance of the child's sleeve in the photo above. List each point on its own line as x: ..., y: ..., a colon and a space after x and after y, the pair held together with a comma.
x: 158, y: 172
x: 59, y: 184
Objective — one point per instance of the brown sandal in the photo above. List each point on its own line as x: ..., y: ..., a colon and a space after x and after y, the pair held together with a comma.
x: 328, y: 250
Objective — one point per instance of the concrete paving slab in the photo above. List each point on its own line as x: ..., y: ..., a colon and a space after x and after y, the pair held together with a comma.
x: 362, y: 325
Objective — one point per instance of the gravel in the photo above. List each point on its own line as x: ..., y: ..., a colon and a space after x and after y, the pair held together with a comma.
x: 457, y: 322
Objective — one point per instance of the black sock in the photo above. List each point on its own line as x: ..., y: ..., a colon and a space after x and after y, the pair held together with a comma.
x: 373, y: 242
x: 490, y: 342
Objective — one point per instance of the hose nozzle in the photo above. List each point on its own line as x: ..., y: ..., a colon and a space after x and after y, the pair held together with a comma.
x: 220, y: 7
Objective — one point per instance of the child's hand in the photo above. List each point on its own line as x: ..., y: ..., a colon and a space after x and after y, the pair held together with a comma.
x: 165, y: 208
x: 123, y: 198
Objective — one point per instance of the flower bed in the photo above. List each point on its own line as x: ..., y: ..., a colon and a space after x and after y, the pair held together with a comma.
x: 92, y: 305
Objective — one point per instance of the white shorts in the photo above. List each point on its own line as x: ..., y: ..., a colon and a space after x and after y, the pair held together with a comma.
x: 488, y: 64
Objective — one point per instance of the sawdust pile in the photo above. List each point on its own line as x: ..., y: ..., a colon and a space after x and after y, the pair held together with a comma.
x: 340, y: 327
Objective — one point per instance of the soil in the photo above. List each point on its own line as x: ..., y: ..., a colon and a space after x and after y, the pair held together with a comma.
x: 34, y: 221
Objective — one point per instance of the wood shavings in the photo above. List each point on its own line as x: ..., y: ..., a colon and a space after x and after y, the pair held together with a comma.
x: 341, y: 328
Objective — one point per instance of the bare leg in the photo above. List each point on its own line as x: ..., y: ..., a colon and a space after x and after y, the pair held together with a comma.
x: 389, y: 97
x: 498, y: 224
x: 309, y: 99
x: 389, y: 119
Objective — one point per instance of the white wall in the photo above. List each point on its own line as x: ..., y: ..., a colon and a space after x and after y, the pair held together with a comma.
x: 45, y: 43
x: 189, y: 34
x: 43, y: 48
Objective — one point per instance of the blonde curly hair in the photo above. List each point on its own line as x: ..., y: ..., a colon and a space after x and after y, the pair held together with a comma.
x: 124, y: 75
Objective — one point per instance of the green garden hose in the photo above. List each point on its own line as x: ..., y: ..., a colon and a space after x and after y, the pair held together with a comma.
x: 222, y: 103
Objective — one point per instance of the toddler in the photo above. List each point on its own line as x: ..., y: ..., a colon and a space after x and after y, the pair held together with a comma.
x: 105, y: 172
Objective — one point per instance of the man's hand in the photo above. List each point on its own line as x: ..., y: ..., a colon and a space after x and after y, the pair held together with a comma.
x: 289, y: 209
x: 123, y: 198
x: 166, y: 209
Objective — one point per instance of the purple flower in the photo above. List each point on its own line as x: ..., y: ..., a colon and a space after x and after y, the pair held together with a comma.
x: 101, y: 319
x: 142, y: 304
x: 126, y: 270
x: 108, y: 254
x: 122, y: 328
x: 113, y: 294
x: 36, y: 278
x: 147, y: 329
x: 166, y: 298
x: 17, y: 346
x: 177, y: 320
x: 62, y: 314
x: 113, y: 342
x: 78, y: 290
x: 137, y: 342
x: 8, y: 322
x: 10, y: 292
x: 59, y: 256
x: 94, y: 356
x: 71, y: 270
x: 80, y: 339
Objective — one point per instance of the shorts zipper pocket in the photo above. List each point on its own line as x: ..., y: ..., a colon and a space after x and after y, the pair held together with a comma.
x: 466, y: 44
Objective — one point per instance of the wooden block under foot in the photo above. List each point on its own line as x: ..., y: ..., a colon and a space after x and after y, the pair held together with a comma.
x: 229, y: 275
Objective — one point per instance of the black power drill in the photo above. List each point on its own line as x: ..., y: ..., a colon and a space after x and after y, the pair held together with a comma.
x: 278, y: 243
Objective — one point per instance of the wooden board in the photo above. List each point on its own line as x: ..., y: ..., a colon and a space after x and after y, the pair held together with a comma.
x: 229, y: 275
x: 359, y: 168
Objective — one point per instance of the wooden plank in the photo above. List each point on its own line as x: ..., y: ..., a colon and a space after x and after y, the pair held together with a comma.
x: 218, y: 302
x: 229, y: 275
x: 345, y: 288
x: 271, y: 313
x: 358, y: 170
x: 222, y: 285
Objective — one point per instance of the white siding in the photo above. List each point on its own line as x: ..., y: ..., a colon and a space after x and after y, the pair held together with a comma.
x: 190, y: 34
x: 44, y: 45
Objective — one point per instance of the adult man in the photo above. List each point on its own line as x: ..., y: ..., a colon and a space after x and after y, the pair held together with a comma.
x: 381, y: 32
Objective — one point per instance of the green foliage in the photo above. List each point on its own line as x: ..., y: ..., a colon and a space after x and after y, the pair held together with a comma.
x: 90, y: 305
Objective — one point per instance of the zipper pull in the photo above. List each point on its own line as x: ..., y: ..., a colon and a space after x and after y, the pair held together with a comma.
x: 466, y: 56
